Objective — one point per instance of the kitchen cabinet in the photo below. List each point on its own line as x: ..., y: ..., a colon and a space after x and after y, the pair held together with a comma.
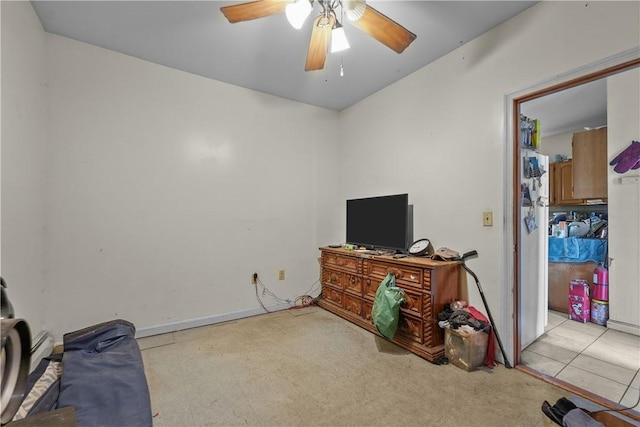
x: 582, y: 180
x: 560, y: 276
x: 561, y: 184
x: 590, y: 164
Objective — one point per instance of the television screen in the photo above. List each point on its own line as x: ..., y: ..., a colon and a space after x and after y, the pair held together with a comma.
x: 379, y: 222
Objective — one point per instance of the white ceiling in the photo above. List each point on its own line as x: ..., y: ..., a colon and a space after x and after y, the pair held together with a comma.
x: 267, y: 54
x: 571, y: 109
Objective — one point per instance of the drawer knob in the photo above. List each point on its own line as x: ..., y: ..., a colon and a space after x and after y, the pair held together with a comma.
x: 395, y: 272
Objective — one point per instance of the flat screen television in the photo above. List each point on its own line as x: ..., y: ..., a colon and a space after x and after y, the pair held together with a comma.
x: 379, y: 222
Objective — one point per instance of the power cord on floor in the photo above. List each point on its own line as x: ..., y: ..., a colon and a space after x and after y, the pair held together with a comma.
x: 301, y: 301
x: 315, y: 286
x: 633, y: 407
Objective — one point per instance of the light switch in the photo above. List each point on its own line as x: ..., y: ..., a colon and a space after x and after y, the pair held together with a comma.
x: 487, y: 219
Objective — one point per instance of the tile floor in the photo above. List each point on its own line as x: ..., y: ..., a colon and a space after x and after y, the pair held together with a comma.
x: 589, y: 356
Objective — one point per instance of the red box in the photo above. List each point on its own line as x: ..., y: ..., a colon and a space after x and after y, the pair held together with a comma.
x: 579, y: 303
x: 600, y: 292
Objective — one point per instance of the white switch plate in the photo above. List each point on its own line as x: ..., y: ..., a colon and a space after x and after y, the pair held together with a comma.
x: 487, y: 218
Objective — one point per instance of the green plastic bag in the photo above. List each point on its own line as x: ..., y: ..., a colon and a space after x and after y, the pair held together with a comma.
x: 386, y: 306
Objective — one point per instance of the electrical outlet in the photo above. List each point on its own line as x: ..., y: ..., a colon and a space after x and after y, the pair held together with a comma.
x: 280, y: 274
x: 487, y: 219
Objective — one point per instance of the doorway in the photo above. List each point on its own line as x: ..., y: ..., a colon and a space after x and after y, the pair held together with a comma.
x: 572, y: 134
x: 520, y: 323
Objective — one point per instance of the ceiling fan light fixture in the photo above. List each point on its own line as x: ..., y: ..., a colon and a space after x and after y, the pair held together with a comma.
x: 326, y: 29
x: 339, y: 40
x: 298, y: 12
x: 354, y: 9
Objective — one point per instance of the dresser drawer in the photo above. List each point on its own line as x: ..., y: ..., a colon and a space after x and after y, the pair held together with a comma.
x: 406, y: 275
x: 410, y: 327
x: 352, y: 283
x: 413, y: 303
x: 332, y: 296
x: 333, y: 278
x: 346, y: 263
x: 367, y: 307
x: 370, y: 286
x: 413, y: 296
x: 352, y: 304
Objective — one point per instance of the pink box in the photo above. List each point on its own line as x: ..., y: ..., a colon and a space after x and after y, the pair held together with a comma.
x: 579, y: 304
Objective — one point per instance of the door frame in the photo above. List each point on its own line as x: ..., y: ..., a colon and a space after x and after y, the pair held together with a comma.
x: 511, y: 253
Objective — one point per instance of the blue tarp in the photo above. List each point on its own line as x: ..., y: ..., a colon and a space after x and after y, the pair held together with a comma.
x: 574, y: 249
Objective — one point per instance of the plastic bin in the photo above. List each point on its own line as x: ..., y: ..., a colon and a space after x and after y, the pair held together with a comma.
x: 464, y: 349
x: 599, y: 312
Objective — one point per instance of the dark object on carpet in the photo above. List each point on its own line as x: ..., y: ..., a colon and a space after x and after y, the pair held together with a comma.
x: 566, y: 413
x: 103, y: 376
x: 63, y: 417
x: 557, y: 412
x: 99, y: 377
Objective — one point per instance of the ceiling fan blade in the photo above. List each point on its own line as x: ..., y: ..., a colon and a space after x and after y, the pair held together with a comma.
x: 320, y: 39
x: 253, y: 10
x: 385, y: 30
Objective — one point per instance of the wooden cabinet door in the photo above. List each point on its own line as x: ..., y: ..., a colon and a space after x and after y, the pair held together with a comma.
x: 590, y: 164
x: 564, y: 185
x: 553, y: 185
x: 560, y: 276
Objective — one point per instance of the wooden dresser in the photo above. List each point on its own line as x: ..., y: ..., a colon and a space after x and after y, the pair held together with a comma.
x: 350, y: 281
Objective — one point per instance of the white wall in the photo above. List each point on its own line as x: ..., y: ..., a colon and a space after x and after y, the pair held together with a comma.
x: 165, y: 191
x: 0, y: 141
x: 557, y: 144
x: 23, y: 161
x: 439, y: 134
x: 623, y: 111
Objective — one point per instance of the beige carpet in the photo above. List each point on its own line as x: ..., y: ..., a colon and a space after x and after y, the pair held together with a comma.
x: 309, y: 367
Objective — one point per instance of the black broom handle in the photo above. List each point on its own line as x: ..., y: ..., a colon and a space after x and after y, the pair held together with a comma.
x: 473, y: 254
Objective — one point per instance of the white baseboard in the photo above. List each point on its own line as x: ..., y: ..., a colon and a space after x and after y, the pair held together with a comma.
x: 207, y: 320
x: 623, y: 327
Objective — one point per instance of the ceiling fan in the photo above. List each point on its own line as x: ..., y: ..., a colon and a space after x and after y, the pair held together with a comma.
x: 326, y: 25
